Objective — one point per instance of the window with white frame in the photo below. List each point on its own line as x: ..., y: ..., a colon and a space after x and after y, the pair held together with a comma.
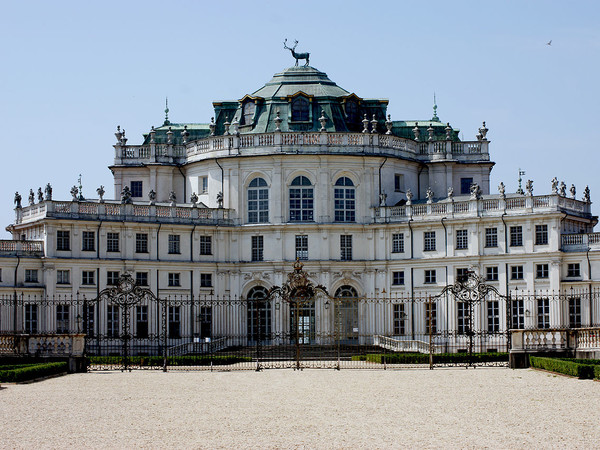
x: 203, y: 185
x: 398, y: 182
x: 462, y: 239
x: 398, y: 243
x: 430, y: 317
x: 398, y: 278
x: 88, y: 277
x: 542, y: 271
x: 516, y: 272
x: 462, y: 273
x: 88, y: 241
x: 206, y: 245
x: 63, y: 277
x: 136, y: 189
x: 573, y: 270
x: 258, y: 201
x: 257, y: 248
x: 462, y: 317
x: 174, y: 244
x: 429, y: 241
x: 174, y: 322
x: 31, y: 276
x: 112, y: 242
x: 541, y: 234
x: 574, y: 312
x: 346, y: 247
x: 112, y: 321
x: 62, y: 318
x: 399, y: 319
x: 206, y: 280
x: 301, y: 247
x: 141, y: 242
x: 344, y: 200
x: 491, y: 237
x: 517, y: 309
x: 31, y: 318
x: 543, y: 313
x: 491, y: 273
x: 516, y: 236
x: 301, y: 200
x: 300, y: 109
x: 430, y: 276
x: 63, y: 240
x: 493, y: 316
x: 174, y: 279
x: 112, y: 277
x: 141, y: 278
x: 141, y: 321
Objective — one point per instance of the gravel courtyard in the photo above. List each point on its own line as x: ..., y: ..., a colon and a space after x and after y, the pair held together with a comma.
x: 484, y: 407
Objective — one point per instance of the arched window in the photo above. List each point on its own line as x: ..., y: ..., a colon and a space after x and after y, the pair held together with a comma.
x: 301, y: 200
x: 300, y: 107
x: 259, y: 315
x: 344, y: 198
x: 258, y: 201
x: 248, y: 112
x: 352, y: 114
x: 346, y: 292
x: 346, y: 314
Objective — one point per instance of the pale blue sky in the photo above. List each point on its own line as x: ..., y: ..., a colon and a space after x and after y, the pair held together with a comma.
x: 73, y: 71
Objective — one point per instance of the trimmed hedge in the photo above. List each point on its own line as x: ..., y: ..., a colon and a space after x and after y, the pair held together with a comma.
x: 32, y: 372
x: 580, y: 368
x: 157, y: 361
x: 438, y: 358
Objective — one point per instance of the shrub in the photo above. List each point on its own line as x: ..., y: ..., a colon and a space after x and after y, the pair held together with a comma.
x: 440, y: 358
x: 566, y: 366
x: 31, y: 372
x: 157, y: 361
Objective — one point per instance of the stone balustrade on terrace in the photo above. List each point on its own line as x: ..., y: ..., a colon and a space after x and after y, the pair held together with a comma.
x: 580, y: 242
x: 21, y: 248
x: 118, y: 212
x: 294, y: 142
x: 489, y: 205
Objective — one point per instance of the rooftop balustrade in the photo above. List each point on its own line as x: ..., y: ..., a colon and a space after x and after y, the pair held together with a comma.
x: 118, y: 212
x: 21, y: 248
x: 309, y: 142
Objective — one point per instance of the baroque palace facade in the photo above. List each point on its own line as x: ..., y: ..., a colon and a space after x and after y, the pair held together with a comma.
x: 302, y: 169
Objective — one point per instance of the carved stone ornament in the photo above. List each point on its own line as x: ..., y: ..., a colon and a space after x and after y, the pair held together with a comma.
x: 554, y: 183
x: 100, y: 192
x: 365, y: 122
x: 483, y: 132
x: 169, y: 136
x: 417, y: 132
x: 226, y: 125
x: 502, y: 190
x: 475, y: 191
x: 573, y: 191
x: 562, y: 190
x: 298, y: 288
x: 389, y: 125
x: 586, y: 194
x: 448, y: 130
x: 212, y: 126
x: 382, y: 199
x: 48, y: 191
x: 31, y: 197
x: 74, y: 191
x: 429, y: 195
x: 220, y: 200
x: 278, y: 121
x: 17, y: 200
x: 126, y: 195
x: 374, y: 125
x: 470, y: 288
x: 152, y: 196
x: 172, y: 198
x: 40, y: 195
x: 430, y: 131
x: 409, y: 196
x: 323, y: 121
x: 194, y: 198
x: 529, y: 187
x: 450, y: 192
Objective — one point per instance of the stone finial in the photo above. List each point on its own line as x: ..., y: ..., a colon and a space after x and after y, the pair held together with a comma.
x: 502, y: 190
x: 123, y: 139
x: 152, y: 196
x: 429, y: 195
x: 417, y: 132
x: 529, y: 187
x: 100, y: 192
x: 562, y: 190
x: 220, y: 200
x: 365, y: 122
x: 374, y: 125
x: 389, y: 124
x: 212, y: 126
x: 17, y: 200
x: 152, y: 135
x: 483, y: 132
x: 40, y: 195
x: 382, y: 199
x: 554, y: 183
x: 278, y: 121
x: 235, y: 125
x: 194, y: 198
x: 185, y: 134
x: 118, y: 134
x: 475, y: 191
x: 586, y: 194
x: 169, y: 136
x: 48, y: 191
x: 409, y: 196
x: 573, y: 191
x: 74, y: 191
x: 226, y: 124
x: 172, y: 198
x: 450, y: 192
x: 430, y: 132
x: 126, y: 195
x: 323, y: 121
x: 448, y: 130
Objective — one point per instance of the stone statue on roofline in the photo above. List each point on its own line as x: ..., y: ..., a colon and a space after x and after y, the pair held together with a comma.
x: 194, y: 198
x: 152, y: 196
x: 554, y: 186
x: 586, y: 194
x: 100, y: 192
x: 17, y: 200
x: 31, y: 197
x: 573, y: 191
x: 173, y: 198
x: 502, y: 190
x: 40, y: 195
x: 409, y: 196
x: 220, y: 200
x: 475, y: 191
x: 74, y: 191
x: 562, y: 191
x: 382, y: 199
x: 48, y: 191
x: 529, y: 187
x: 429, y: 195
x: 126, y: 195
x: 450, y: 192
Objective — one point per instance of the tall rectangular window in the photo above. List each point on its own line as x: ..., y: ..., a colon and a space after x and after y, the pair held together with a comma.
x: 516, y: 272
x: 430, y: 317
x: 141, y: 321
x: 493, y: 316
x: 462, y: 239
x: 62, y: 318
x: 31, y: 276
x: 206, y: 245
x: 398, y: 278
x: 573, y: 270
x: 63, y: 277
x: 174, y: 244
x: 462, y: 317
x: 203, y: 185
x: 399, y: 319
x: 516, y: 236
x: 543, y: 313
x: 141, y: 242
x: 31, y: 319
x: 112, y: 242
x: 465, y: 185
x: 346, y: 247
x: 430, y: 276
x: 112, y: 278
x: 141, y: 278
x: 206, y: 280
x: 541, y: 234
x: 174, y: 322
x: 88, y: 277
x: 429, y: 241
x: 112, y: 321
x: 491, y: 237
x: 574, y: 312
x: 302, y: 247
x: 462, y: 273
x: 517, y: 310
x: 89, y: 320
x: 136, y: 189
x: 398, y: 243
x: 88, y: 241
x: 205, y: 317
x: 542, y: 271
x: 491, y: 273
x: 398, y: 182
x: 257, y: 248
x: 63, y: 240
x: 174, y: 279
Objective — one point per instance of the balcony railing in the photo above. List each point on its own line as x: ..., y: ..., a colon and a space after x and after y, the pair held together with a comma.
x: 579, y: 242
x: 309, y: 142
x: 113, y: 211
x: 21, y: 248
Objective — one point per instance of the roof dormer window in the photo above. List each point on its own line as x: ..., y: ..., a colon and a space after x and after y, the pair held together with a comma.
x: 300, y: 109
x: 248, y: 111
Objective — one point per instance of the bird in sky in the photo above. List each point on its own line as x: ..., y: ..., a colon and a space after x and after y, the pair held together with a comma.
x: 549, y: 42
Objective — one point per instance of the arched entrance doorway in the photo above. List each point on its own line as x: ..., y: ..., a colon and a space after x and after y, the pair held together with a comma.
x: 259, y: 315
x: 346, y: 323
